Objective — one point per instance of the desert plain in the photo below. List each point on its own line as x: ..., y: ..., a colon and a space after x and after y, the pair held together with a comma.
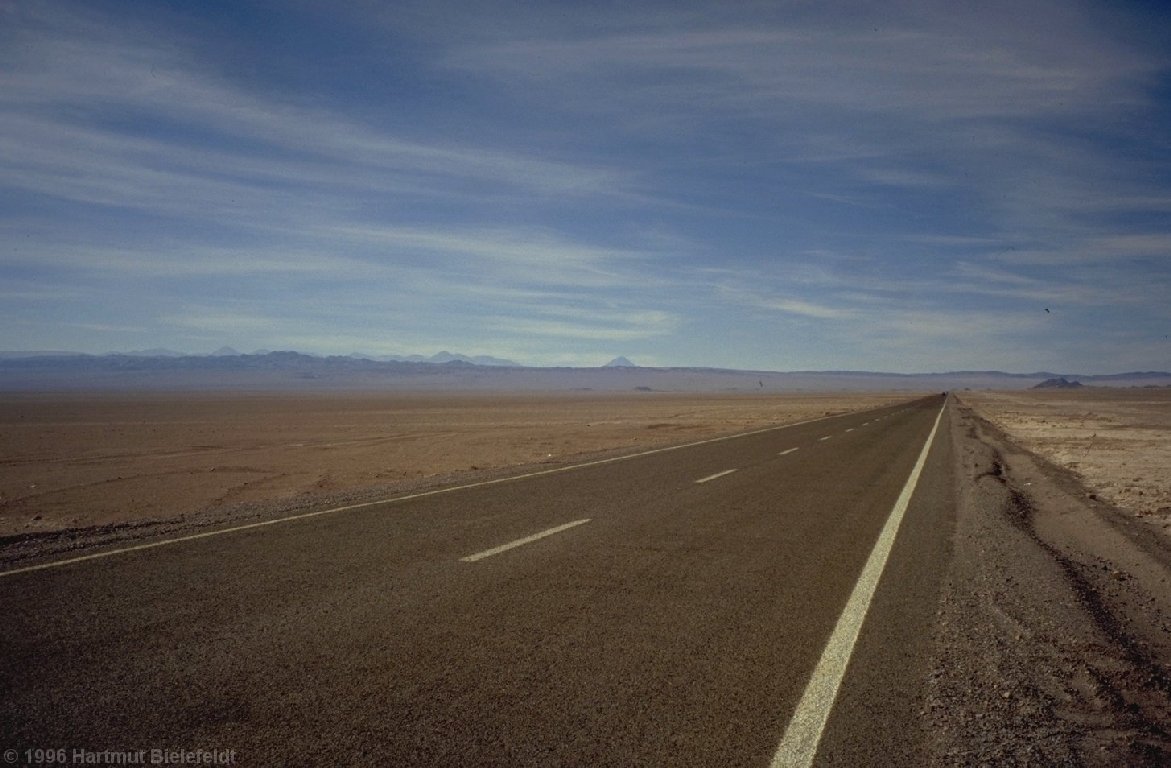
x: 78, y: 461
x: 83, y: 460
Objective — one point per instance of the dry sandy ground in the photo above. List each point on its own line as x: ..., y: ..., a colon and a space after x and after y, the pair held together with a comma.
x: 75, y: 461
x: 1117, y: 441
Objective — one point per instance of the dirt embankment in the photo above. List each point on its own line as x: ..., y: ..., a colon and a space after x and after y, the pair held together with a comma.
x: 1053, y: 645
x: 1117, y: 441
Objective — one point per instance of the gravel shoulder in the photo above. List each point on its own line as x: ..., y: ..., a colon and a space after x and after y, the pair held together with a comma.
x: 1053, y: 640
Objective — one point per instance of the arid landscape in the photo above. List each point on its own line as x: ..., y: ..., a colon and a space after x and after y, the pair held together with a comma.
x: 75, y: 461
x: 514, y: 384
x: 1050, y: 618
x: 1117, y: 441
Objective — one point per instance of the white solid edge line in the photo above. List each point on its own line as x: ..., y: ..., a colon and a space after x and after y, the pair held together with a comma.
x: 798, y: 746
x: 713, y: 477
x: 393, y: 499
x: 521, y: 542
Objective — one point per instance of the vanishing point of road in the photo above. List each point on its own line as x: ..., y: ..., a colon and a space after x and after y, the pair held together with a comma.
x: 762, y: 599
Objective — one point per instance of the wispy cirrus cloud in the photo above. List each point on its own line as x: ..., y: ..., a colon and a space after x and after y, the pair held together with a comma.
x: 218, y: 321
x: 599, y: 326
x: 748, y: 185
x: 151, y: 126
x: 787, y: 304
x: 516, y: 248
x: 902, y: 61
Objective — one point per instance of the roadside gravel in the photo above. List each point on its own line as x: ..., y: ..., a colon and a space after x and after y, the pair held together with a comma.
x: 1052, y: 645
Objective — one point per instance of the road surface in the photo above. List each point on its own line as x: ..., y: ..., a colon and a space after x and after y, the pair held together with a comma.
x: 664, y: 609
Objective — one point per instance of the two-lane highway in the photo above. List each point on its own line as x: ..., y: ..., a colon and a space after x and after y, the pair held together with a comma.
x: 664, y: 609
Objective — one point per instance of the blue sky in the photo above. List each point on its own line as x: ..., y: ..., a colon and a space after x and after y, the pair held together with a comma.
x: 792, y: 185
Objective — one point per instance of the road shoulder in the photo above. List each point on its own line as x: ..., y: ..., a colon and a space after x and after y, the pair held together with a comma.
x: 1052, y: 642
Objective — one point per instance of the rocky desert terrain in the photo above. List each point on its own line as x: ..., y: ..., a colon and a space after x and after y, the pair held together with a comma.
x: 1116, y: 441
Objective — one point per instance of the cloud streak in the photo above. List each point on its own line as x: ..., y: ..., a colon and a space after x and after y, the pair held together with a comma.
x: 783, y: 186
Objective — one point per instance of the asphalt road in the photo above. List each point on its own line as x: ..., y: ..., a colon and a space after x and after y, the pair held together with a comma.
x: 672, y: 613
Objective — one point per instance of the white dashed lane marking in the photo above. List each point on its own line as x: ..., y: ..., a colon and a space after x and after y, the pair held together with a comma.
x: 713, y: 477
x: 521, y: 542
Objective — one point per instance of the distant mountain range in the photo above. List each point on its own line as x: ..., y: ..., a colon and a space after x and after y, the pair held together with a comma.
x: 442, y: 358
x: 439, y: 359
x: 228, y: 370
